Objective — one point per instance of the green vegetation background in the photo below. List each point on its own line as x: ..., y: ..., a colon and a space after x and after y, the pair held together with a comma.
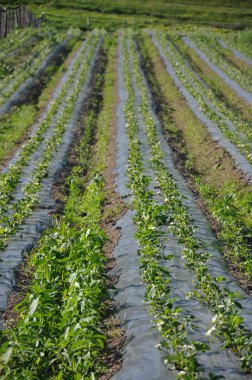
x: 112, y: 14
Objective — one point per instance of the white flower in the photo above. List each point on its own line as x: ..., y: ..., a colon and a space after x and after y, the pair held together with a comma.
x: 77, y: 285
x: 181, y: 374
x: 209, y: 332
x: 214, y: 319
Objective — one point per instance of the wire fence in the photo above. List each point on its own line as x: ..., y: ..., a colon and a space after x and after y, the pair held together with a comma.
x: 16, y: 17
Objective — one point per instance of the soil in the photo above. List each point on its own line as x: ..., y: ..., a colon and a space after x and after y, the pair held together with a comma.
x: 113, y: 357
x: 24, y: 279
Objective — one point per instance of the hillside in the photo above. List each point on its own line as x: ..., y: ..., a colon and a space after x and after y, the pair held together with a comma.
x: 112, y: 14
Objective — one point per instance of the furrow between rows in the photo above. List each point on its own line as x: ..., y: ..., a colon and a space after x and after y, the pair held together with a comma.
x: 141, y: 359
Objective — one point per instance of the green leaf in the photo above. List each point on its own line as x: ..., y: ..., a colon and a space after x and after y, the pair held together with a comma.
x: 60, y: 375
x: 220, y: 279
x: 78, y: 345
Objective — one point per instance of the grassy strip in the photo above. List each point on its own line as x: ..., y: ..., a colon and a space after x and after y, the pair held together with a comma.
x: 22, y: 118
x: 227, y: 323
x: 19, y: 122
x: 221, y: 89
x: 69, y: 289
x: 240, y: 41
x: 226, y: 195
x: 180, y: 351
x: 237, y: 62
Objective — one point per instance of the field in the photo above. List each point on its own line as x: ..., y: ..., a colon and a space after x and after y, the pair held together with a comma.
x: 125, y: 192
x: 113, y: 14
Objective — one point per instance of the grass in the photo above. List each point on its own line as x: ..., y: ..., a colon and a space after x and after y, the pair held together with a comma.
x: 242, y: 66
x: 19, y: 121
x: 114, y: 13
x: 65, y: 18
x: 228, y: 56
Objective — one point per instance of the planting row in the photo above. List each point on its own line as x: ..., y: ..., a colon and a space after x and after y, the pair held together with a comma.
x: 153, y: 214
x: 225, y: 193
x: 21, y: 221
x: 210, y: 106
x: 233, y: 84
x: 55, y: 120
x: 239, y: 43
x: 224, y: 87
x: 214, y: 52
x: 29, y: 67
x: 15, y: 40
x: 61, y: 333
x: 173, y: 290
x: 141, y: 359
